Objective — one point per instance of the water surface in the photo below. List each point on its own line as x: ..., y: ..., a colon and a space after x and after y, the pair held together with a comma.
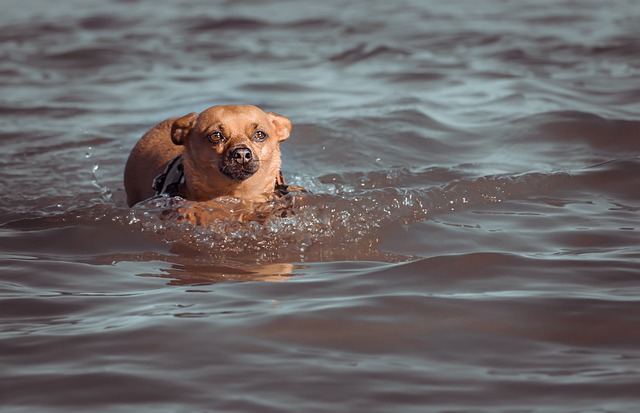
x: 471, y: 244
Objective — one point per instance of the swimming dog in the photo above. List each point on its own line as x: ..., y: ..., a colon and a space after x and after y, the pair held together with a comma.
x: 225, y: 151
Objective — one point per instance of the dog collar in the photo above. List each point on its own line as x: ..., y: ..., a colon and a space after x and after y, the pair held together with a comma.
x: 171, y: 182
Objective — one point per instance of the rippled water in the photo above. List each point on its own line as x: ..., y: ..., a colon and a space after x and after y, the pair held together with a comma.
x: 471, y: 243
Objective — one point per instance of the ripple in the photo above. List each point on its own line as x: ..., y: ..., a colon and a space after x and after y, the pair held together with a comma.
x: 363, y: 52
x: 316, y: 227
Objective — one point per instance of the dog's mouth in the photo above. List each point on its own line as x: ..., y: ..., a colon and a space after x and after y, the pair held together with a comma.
x: 238, y: 173
x: 239, y: 163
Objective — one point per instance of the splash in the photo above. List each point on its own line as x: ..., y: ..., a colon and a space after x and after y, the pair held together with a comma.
x: 350, y: 212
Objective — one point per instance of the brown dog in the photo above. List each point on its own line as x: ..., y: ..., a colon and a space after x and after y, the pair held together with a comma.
x: 229, y: 151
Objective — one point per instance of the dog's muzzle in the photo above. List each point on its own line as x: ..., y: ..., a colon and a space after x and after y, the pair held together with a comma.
x: 239, y: 163
x: 242, y: 155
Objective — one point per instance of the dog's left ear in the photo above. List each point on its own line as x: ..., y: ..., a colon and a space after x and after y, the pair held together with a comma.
x: 181, y: 128
x: 282, y: 125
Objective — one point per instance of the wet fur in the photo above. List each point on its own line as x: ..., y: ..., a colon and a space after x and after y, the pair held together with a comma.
x: 212, y: 169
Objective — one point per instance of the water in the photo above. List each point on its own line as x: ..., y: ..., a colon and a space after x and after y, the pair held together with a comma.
x: 471, y: 244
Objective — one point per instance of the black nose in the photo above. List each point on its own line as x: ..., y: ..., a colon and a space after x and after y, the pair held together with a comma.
x: 241, y: 155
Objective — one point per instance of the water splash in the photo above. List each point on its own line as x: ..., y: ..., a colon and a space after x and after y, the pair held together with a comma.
x: 319, y: 226
x: 105, y: 191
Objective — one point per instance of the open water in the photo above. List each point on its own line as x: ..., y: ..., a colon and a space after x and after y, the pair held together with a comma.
x: 472, y: 243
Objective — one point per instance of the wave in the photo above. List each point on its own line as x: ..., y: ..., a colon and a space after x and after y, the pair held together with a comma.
x: 350, y: 208
x: 316, y: 227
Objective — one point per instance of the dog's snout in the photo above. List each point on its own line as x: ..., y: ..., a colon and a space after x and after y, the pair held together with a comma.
x: 242, y: 155
x: 239, y: 163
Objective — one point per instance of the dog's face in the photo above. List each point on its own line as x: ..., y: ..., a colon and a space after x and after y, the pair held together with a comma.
x: 231, y: 150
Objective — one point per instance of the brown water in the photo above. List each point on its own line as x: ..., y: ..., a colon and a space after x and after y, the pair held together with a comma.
x: 471, y: 244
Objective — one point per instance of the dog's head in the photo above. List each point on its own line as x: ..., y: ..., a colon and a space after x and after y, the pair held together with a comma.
x: 231, y: 150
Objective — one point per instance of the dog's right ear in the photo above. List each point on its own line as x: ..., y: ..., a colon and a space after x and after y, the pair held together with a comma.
x: 181, y: 128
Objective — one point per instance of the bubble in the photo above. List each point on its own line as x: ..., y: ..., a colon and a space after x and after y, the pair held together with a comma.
x: 333, y: 225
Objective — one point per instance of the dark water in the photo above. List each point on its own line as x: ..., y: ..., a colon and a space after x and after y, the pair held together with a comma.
x: 471, y: 245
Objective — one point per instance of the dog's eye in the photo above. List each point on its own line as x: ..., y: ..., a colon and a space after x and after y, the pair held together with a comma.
x: 215, y: 137
x: 260, y: 136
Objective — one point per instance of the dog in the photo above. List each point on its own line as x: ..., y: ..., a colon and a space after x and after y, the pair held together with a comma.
x: 223, y: 152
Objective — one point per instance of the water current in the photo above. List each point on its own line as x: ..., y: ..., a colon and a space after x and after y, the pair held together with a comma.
x: 470, y: 242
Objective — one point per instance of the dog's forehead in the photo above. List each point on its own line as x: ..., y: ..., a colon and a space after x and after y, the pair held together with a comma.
x: 233, y: 117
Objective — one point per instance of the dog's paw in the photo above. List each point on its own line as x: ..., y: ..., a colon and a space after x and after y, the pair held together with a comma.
x: 189, y: 214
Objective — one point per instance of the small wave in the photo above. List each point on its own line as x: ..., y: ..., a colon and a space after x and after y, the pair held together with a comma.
x: 105, y: 22
x: 364, y: 51
x: 85, y: 57
x: 311, y: 227
x: 205, y: 23
x: 599, y: 133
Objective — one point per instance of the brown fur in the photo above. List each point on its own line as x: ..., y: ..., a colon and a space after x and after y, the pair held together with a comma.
x: 212, y: 168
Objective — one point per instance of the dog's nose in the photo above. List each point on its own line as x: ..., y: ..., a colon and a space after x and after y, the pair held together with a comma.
x: 241, y: 155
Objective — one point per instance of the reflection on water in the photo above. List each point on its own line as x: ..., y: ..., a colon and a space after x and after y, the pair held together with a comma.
x: 194, y: 273
x: 470, y: 242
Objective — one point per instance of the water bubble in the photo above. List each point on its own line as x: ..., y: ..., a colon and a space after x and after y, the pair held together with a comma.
x: 318, y: 226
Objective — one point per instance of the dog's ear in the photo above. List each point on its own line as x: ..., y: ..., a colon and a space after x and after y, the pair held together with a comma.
x: 181, y: 128
x: 282, y: 125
